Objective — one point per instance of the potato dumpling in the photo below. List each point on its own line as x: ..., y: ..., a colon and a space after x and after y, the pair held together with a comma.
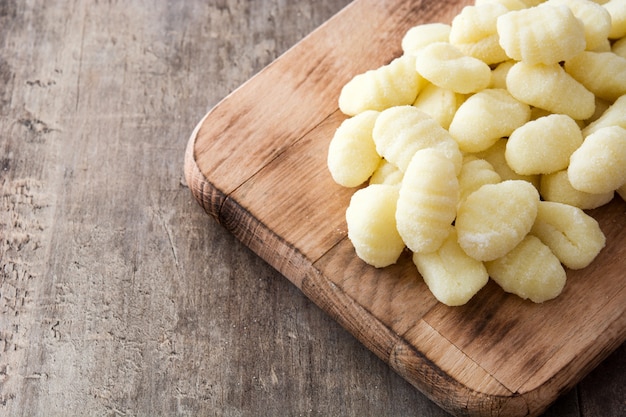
x: 556, y: 187
x: 478, y: 123
x: 495, y: 155
x: 427, y: 201
x: 423, y: 35
x: 573, y: 236
x: 494, y: 219
x: 446, y: 66
x: 602, y: 73
x: 595, y: 18
x: 394, y: 84
x: 544, y: 145
x: 372, y: 225
x: 541, y: 35
x: 450, y: 274
x: 530, y: 271
x: 615, y: 115
x: 550, y: 88
x: 599, y: 165
x: 401, y: 131
x: 352, y: 156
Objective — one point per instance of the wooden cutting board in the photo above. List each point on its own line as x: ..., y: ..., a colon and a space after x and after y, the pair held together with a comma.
x: 257, y: 164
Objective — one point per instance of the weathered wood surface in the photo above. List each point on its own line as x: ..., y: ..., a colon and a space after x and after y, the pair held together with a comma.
x: 118, y: 295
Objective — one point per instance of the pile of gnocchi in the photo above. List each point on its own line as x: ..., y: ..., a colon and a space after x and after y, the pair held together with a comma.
x: 480, y: 147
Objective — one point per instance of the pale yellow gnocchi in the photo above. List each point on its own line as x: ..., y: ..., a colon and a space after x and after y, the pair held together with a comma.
x: 530, y: 270
x: 352, y: 156
x: 551, y: 88
x: 475, y: 34
x: 474, y: 174
x: 394, y: 84
x: 573, y: 236
x: 427, y: 201
x: 450, y: 274
x: 386, y: 173
x: 422, y: 35
x: 478, y: 123
x: 446, y: 66
x: 495, y: 218
x: 599, y: 165
x: 596, y: 20
x: 544, y: 145
x: 439, y: 103
x: 371, y: 222
x: 541, y: 35
x: 615, y: 115
x: 556, y: 187
x: 602, y: 73
x: 401, y: 131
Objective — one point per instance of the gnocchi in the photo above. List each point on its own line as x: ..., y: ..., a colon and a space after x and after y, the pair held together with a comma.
x: 478, y: 123
x: 401, y: 131
x: 599, y: 165
x: 530, y: 271
x: 371, y: 221
x: 544, y: 145
x: 495, y: 218
x: 446, y: 66
x: 479, y: 148
x: 451, y: 275
x: 572, y: 235
x: 541, y: 35
x: 390, y: 85
x: 427, y: 201
x: 352, y: 156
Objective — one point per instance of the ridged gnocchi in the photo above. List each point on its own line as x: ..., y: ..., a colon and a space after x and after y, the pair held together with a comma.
x: 573, y: 236
x: 427, y: 201
x: 479, y: 148
x: 401, y: 131
x: 394, y: 84
x: 446, y: 66
x: 530, y: 270
x: 541, y: 35
x: 478, y: 123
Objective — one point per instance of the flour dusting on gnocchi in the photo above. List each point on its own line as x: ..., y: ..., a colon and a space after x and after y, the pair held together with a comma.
x: 481, y: 146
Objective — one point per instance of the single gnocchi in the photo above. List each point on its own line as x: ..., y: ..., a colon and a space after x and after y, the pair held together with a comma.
x: 541, y: 35
x: 550, y: 88
x: 596, y: 20
x: 530, y: 270
x: 478, y: 123
x: 602, y: 73
x: 544, y: 145
x: 573, y: 236
x: 371, y: 222
x: 401, y: 131
x: 495, y: 218
x: 427, y: 201
x: 615, y: 115
x: 599, y: 165
x: 386, y: 173
x: 450, y: 274
x: 557, y: 187
x: 394, y: 84
x: 446, y: 66
x: 423, y: 35
x: 352, y: 156
x: 617, y: 10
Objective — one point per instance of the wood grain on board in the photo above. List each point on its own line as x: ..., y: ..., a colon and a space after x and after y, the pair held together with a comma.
x: 257, y: 164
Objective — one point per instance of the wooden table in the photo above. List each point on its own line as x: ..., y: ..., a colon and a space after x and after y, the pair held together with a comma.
x: 118, y: 294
